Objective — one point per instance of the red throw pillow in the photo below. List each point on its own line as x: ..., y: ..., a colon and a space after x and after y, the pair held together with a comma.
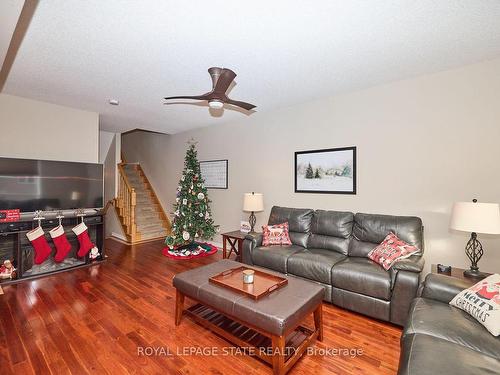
x: 275, y: 235
x: 390, y: 250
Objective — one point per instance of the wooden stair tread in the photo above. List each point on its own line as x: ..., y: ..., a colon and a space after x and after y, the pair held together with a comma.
x: 149, y: 219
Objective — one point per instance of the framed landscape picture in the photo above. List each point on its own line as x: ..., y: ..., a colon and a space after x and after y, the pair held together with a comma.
x: 331, y: 171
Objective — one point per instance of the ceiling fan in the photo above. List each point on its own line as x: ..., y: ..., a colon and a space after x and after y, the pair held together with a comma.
x: 221, y: 79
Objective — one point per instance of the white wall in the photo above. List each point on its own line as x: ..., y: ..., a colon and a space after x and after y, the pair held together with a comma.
x: 422, y: 144
x: 36, y: 130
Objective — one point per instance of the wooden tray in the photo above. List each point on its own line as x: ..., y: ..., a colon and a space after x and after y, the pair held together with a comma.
x: 263, y: 283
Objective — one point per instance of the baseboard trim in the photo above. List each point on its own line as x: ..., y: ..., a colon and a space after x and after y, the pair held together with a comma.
x: 119, y: 236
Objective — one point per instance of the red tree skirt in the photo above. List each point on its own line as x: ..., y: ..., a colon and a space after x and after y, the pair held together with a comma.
x: 186, y: 253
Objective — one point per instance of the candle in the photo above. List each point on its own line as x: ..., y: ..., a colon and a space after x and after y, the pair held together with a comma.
x: 248, y: 276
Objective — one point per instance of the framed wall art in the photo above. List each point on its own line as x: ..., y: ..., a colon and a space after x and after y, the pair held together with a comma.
x: 328, y: 171
x: 214, y: 173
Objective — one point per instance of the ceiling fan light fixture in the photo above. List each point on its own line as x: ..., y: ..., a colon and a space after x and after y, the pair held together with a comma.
x: 221, y: 81
x: 215, y: 104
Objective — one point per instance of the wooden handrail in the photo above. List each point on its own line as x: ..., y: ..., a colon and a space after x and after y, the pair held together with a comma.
x: 126, y: 202
x: 122, y: 173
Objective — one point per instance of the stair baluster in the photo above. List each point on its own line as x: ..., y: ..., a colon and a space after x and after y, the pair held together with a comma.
x: 126, y: 204
x: 139, y: 209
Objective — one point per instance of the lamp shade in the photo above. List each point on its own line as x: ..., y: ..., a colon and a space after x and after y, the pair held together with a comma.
x: 253, y: 202
x: 476, y: 217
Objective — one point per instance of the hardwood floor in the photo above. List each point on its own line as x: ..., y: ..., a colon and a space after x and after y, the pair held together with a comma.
x: 97, y: 319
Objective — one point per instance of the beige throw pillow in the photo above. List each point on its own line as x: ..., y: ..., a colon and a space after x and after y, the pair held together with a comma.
x: 482, y: 301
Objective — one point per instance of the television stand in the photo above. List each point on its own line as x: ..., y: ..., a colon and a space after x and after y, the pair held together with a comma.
x: 15, y: 246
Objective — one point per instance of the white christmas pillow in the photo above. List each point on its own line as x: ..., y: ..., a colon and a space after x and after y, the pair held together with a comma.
x: 482, y: 302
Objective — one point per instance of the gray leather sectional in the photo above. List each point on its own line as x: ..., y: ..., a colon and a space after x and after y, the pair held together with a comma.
x: 331, y: 247
x: 441, y: 339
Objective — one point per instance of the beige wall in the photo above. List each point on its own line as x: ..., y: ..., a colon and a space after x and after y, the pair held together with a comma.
x: 36, y: 130
x: 110, y: 151
x: 105, y: 141
x: 423, y: 144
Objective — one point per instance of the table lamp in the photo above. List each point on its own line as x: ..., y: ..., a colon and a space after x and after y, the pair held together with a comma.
x: 474, y: 217
x: 253, y: 202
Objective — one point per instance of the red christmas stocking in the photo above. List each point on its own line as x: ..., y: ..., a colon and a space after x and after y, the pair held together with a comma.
x: 83, y: 238
x: 40, y: 245
x: 62, y: 245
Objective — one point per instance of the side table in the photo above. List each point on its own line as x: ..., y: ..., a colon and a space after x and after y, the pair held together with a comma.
x: 235, y: 240
x: 458, y: 273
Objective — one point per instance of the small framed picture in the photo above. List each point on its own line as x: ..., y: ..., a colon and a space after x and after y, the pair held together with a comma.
x: 245, y: 227
x: 328, y: 171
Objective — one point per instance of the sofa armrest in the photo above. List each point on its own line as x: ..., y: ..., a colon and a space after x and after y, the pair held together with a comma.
x: 405, y: 289
x: 442, y: 288
x: 251, y: 241
x: 415, y: 263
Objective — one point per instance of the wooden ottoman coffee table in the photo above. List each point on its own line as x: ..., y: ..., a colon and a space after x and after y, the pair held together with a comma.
x: 271, y: 326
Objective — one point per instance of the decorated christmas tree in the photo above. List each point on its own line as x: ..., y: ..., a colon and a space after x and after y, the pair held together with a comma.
x: 192, y: 217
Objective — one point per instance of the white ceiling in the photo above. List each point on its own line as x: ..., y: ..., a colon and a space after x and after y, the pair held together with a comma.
x: 82, y: 53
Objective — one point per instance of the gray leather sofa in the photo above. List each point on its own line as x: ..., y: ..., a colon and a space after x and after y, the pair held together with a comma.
x: 331, y: 247
x: 441, y: 339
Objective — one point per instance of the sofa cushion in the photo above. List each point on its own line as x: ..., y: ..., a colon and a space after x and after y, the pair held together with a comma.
x: 391, y: 250
x: 331, y: 230
x: 375, y: 307
x: 441, y: 320
x: 482, y: 301
x: 314, y: 264
x: 299, y: 222
x: 423, y: 354
x: 275, y: 235
x: 327, y: 288
x: 370, y: 230
x: 274, y: 257
x: 332, y: 223
x: 361, y: 275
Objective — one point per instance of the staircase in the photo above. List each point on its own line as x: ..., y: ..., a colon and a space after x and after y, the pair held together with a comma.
x: 139, y: 209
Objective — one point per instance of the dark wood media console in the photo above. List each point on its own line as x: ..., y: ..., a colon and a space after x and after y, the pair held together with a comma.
x: 15, y: 246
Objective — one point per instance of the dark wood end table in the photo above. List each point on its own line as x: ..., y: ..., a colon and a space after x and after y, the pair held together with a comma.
x: 458, y: 273
x: 235, y: 240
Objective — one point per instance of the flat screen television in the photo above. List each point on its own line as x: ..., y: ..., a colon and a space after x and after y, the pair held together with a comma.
x: 32, y: 185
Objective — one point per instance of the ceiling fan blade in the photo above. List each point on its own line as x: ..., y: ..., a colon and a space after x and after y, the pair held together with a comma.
x: 195, y: 97
x: 243, y: 105
x: 225, y: 78
x: 214, y: 74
